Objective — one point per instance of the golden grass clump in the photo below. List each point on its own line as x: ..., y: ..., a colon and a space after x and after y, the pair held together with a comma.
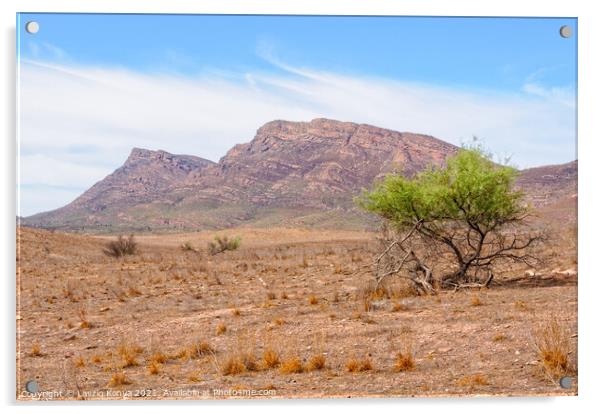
x: 312, y: 300
x: 472, y: 381
x: 220, y: 329
x: 36, y: 350
x: 233, y: 366
x: 359, y: 365
x: 291, y: 365
x: 194, y: 378
x: 84, y: 323
x: 129, y: 360
x: 316, y: 362
x: 154, y: 368
x: 475, y: 300
x: 80, y: 362
x: 271, y: 358
x: 118, y: 378
x: 159, y: 357
x: 552, y: 342
x: 404, y: 361
x: 235, y: 312
x: 129, y: 354
x: 200, y: 349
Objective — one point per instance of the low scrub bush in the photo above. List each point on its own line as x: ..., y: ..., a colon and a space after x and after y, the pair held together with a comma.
x: 123, y: 246
x: 222, y: 244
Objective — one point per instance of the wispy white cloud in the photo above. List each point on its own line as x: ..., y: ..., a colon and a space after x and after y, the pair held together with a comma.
x: 564, y: 95
x: 79, y: 123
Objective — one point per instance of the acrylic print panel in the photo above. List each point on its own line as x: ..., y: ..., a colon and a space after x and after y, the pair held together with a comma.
x: 217, y: 206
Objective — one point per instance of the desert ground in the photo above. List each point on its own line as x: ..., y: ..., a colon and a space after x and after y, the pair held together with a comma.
x: 289, y: 314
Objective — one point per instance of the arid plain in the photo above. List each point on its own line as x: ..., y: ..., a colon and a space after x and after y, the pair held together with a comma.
x: 291, y: 313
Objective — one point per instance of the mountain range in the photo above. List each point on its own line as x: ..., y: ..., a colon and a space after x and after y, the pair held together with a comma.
x: 289, y: 174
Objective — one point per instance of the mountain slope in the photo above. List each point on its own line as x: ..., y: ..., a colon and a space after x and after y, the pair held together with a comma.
x: 552, y: 189
x: 290, y: 173
x: 145, y: 177
x: 318, y: 164
x: 549, y: 184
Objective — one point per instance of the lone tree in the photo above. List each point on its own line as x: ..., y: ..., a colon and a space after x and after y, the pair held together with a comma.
x: 466, y: 215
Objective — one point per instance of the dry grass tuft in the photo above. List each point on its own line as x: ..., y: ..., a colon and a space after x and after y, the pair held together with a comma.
x: 316, y: 362
x: 36, y: 350
x: 312, y: 300
x: 404, y: 361
x: 84, y: 323
x: 187, y: 247
x: 472, y: 381
x: 200, y: 349
x: 552, y: 342
x: 220, y: 329
x: 194, y: 378
x: 128, y: 355
x: 291, y: 365
x: 475, y: 300
x: 159, y: 357
x: 153, y: 368
x: 521, y: 306
x: 271, y: 358
x: 359, y: 365
x: 236, y: 312
x: 500, y: 338
x: 118, y: 379
x: 80, y: 362
x: 233, y: 366
x: 181, y: 354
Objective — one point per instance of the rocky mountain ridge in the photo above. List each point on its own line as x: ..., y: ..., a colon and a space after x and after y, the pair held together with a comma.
x: 289, y: 174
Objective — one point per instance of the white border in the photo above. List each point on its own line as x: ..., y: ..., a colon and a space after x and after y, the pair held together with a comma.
x: 590, y: 137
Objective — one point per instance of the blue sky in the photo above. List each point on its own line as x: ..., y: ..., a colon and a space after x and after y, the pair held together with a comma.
x: 496, y: 53
x: 93, y: 86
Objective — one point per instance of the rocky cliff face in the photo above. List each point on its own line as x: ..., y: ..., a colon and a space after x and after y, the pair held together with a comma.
x: 319, y: 164
x: 290, y: 173
x: 145, y: 177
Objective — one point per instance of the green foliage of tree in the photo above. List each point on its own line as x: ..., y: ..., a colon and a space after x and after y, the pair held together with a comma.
x: 471, y: 188
x: 465, y: 206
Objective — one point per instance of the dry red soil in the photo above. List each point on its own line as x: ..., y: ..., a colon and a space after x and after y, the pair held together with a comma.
x: 174, y: 323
